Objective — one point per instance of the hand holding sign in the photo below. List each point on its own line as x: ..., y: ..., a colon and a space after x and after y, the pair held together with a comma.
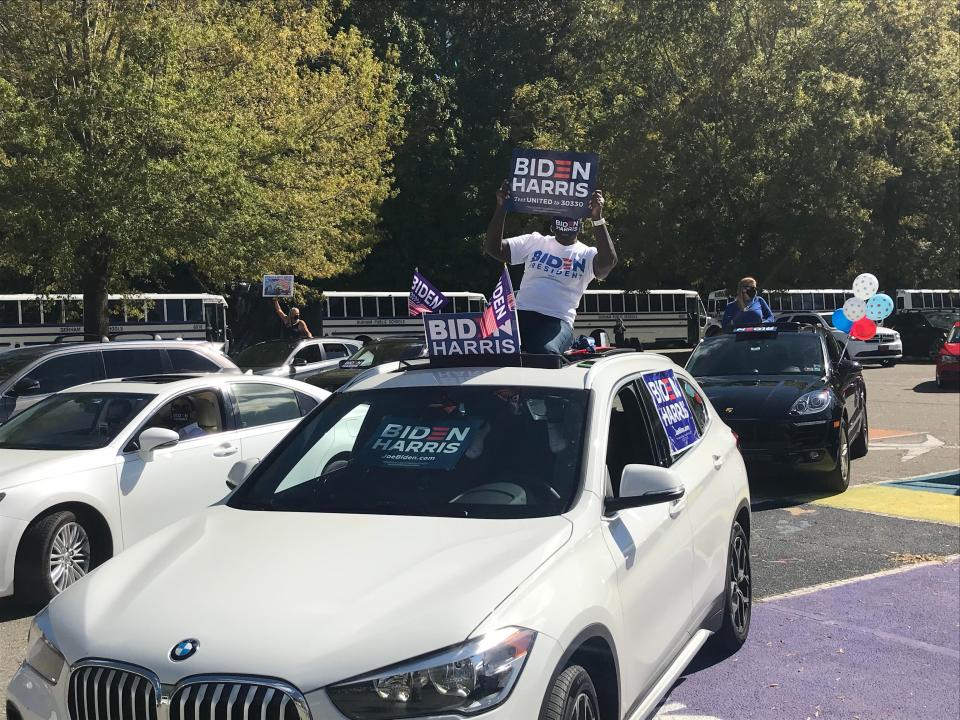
x: 503, y: 193
x: 596, y: 205
x: 546, y: 182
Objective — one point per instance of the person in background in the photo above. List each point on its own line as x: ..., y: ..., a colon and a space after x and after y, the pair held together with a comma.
x: 748, y: 308
x: 293, y: 327
x: 557, y: 270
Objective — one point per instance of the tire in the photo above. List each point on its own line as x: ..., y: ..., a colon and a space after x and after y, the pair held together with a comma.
x: 939, y: 381
x: 838, y: 479
x: 38, y: 576
x: 572, y: 697
x: 888, y: 363
x: 861, y: 446
x: 737, y: 595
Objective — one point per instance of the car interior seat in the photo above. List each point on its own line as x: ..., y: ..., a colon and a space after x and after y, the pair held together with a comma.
x: 208, y: 415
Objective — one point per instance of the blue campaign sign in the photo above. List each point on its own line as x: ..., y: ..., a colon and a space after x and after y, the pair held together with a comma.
x: 672, y: 407
x: 458, y: 334
x: 547, y: 182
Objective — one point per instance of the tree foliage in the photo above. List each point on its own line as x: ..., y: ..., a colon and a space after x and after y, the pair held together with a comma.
x: 231, y: 137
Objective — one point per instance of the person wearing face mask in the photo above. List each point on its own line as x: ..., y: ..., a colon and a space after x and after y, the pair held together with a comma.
x: 293, y: 327
x: 748, y: 308
x: 557, y: 270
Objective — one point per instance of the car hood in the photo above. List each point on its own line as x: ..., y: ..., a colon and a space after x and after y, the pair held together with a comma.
x: 18, y: 467
x: 310, y: 598
x: 757, y: 396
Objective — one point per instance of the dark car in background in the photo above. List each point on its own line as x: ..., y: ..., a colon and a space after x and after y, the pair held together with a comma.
x: 295, y: 358
x: 923, y: 332
x: 790, y: 397
x: 28, y: 375
x: 385, y: 353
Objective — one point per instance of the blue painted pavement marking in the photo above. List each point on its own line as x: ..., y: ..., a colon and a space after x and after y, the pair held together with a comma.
x: 943, y: 482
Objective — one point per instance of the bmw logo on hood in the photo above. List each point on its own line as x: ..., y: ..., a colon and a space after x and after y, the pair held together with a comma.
x: 184, y: 649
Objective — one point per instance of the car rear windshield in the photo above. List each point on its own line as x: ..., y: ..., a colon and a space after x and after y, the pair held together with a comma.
x: 72, y: 421
x: 377, y: 353
x: 780, y: 354
x: 942, y: 320
x: 269, y: 354
x: 442, y: 451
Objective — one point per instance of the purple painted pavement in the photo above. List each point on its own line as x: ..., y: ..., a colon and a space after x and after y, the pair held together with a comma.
x: 886, y: 648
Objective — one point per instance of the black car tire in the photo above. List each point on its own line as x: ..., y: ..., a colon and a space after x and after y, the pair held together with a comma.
x: 861, y: 446
x: 33, y: 582
x: 737, y: 595
x: 888, y: 363
x: 572, y: 697
x: 838, y: 478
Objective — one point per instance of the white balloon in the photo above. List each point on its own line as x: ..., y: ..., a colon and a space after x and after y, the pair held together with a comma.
x: 854, y: 309
x: 865, y: 286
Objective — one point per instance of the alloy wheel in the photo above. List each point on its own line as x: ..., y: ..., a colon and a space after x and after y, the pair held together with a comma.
x: 844, y: 455
x: 583, y: 708
x: 69, y: 555
x: 740, y: 590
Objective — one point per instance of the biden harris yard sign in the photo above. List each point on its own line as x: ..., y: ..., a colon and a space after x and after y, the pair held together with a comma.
x: 459, y: 334
x: 546, y: 182
x: 672, y: 407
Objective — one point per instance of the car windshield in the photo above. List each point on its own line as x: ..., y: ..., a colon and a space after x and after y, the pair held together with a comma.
x: 493, y: 452
x: 954, y: 335
x: 72, y: 421
x: 783, y: 353
x: 942, y: 321
x: 376, y: 353
x: 266, y: 354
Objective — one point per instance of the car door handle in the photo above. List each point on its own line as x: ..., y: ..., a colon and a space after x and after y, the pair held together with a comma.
x: 226, y: 451
x: 718, y: 461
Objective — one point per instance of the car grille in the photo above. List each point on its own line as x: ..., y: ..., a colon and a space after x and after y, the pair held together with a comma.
x: 233, y: 701
x: 112, y: 692
x: 755, y: 435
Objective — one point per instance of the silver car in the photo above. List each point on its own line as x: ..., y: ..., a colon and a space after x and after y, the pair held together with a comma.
x: 295, y: 358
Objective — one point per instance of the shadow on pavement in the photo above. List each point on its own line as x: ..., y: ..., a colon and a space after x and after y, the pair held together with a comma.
x: 769, y: 493
x: 930, y: 386
x: 13, y: 609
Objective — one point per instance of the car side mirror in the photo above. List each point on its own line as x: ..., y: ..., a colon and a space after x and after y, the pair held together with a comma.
x: 848, y: 367
x: 155, y: 438
x: 241, y: 471
x: 26, y: 386
x: 297, y: 362
x: 642, y: 485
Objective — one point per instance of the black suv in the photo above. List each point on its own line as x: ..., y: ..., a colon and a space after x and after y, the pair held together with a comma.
x: 27, y: 375
x: 923, y: 332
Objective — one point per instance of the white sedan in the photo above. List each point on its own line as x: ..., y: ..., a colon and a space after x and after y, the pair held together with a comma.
x: 505, y: 542
x: 89, y: 471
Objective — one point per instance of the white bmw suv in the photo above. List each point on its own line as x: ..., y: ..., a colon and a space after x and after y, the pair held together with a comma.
x: 505, y: 542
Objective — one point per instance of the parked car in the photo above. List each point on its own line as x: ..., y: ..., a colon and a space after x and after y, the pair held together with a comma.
x: 885, y: 347
x: 948, y: 359
x: 28, y: 375
x: 791, y: 397
x: 88, y: 472
x: 295, y: 358
x: 385, y: 353
x: 923, y: 331
x: 506, y: 543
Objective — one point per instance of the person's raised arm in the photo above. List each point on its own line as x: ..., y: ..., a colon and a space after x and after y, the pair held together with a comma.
x: 494, y: 245
x: 606, y: 257
x: 304, y: 329
x: 278, y: 310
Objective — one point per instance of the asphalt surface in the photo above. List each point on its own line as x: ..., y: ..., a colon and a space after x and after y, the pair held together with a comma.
x: 799, y: 540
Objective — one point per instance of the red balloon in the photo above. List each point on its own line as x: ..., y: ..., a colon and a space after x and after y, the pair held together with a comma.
x: 863, y: 329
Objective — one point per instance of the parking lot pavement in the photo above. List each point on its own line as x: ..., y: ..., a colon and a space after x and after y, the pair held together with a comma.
x: 883, y: 648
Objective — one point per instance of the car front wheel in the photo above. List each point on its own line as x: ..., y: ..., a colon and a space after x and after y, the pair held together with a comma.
x: 55, y: 552
x: 572, y: 697
x: 838, y: 479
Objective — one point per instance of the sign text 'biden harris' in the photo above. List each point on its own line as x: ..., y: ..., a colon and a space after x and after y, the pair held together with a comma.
x: 546, y: 182
x: 458, y: 334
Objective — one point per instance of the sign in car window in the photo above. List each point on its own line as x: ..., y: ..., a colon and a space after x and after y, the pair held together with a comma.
x: 412, y: 443
x: 546, y: 182
x: 672, y: 409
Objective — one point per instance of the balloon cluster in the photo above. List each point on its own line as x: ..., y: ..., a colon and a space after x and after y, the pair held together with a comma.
x: 861, y: 313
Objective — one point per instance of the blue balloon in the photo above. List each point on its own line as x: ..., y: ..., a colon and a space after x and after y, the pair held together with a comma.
x: 879, y: 307
x: 840, y: 321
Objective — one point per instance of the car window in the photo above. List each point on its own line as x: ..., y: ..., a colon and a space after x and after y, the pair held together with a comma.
x: 59, y: 373
x: 307, y: 355
x: 629, y: 441
x: 263, y: 404
x: 192, y: 415
x: 131, y: 363
x: 306, y: 402
x: 833, y: 349
x: 696, y: 402
x: 190, y: 361
x: 72, y: 421
x: 335, y: 350
x: 754, y: 354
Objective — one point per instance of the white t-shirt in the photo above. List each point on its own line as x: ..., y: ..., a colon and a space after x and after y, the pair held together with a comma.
x: 554, y: 275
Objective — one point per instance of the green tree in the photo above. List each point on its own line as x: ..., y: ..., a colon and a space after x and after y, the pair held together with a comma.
x: 231, y: 137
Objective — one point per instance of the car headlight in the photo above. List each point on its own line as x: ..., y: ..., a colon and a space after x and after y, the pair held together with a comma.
x: 42, y: 655
x: 812, y: 402
x: 470, y: 678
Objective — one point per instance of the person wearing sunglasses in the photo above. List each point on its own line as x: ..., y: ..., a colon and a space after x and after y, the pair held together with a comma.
x: 748, y: 308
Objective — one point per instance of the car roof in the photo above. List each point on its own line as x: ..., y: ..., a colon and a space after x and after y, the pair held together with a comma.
x: 155, y: 384
x: 33, y: 352
x: 583, y: 372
